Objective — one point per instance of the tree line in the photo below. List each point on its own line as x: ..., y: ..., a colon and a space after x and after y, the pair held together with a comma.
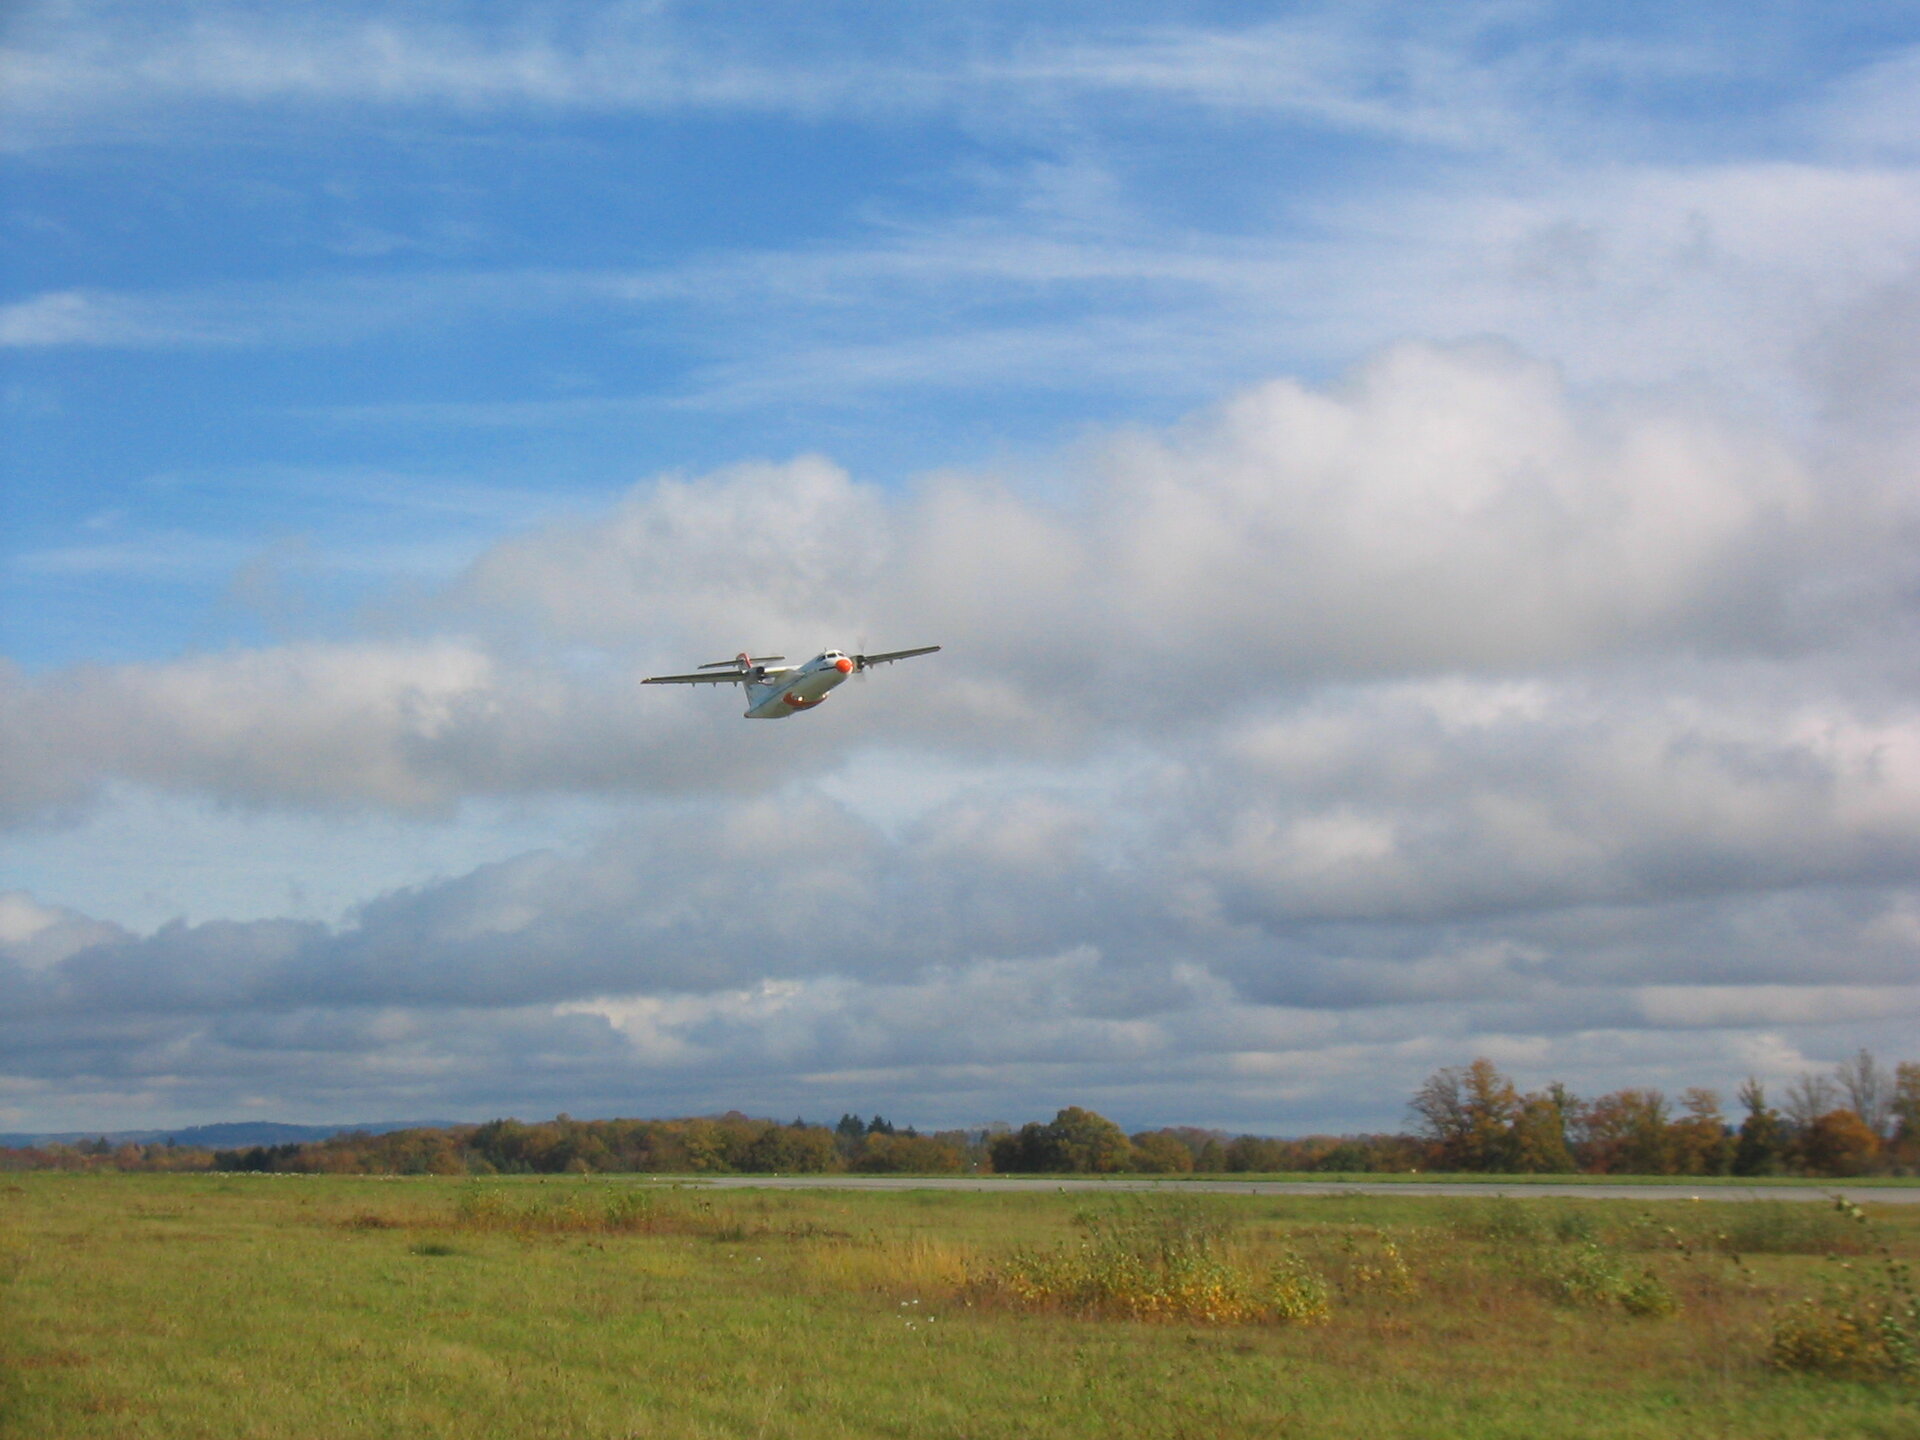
x: 1859, y: 1119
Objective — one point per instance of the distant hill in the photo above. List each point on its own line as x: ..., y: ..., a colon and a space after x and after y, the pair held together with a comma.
x: 231, y: 1135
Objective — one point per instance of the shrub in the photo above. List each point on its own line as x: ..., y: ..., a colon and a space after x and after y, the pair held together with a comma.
x: 1646, y: 1294
x: 1295, y: 1295
x: 1866, y: 1325
x: 1166, y: 1263
x: 1587, y: 1274
x: 1570, y: 1224
x: 1376, y: 1267
x: 1840, y: 1336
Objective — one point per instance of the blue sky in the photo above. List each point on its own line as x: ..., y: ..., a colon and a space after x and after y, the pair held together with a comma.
x: 1417, y: 500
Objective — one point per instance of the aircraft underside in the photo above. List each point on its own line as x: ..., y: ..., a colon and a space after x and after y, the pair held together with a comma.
x: 776, y: 702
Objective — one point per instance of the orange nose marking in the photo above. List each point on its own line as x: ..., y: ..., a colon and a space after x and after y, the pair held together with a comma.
x: 843, y: 665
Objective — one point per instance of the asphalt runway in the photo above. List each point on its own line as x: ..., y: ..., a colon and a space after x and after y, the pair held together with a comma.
x: 1465, y: 1190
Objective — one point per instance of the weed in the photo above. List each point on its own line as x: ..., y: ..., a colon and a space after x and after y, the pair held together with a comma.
x: 1159, y: 1263
x: 433, y: 1248
x: 1646, y: 1294
x: 592, y: 1211
x: 1570, y: 1224
x: 1295, y: 1295
x: 1866, y: 1322
x: 1374, y: 1265
x: 1779, y: 1227
x: 1502, y: 1220
x: 372, y: 1220
x: 1588, y: 1275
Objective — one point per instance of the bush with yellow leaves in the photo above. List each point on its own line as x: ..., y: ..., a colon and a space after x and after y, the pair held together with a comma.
x: 1159, y: 1263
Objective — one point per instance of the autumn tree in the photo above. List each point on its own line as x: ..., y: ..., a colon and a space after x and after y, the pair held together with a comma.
x: 1615, y: 1134
x: 1701, y: 1143
x: 881, y: 1153
x: 1468, y: 1113
x: 1838, y: 1144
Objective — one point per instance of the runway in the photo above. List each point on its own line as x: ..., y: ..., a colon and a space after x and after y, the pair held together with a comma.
x: 1461, y: 1190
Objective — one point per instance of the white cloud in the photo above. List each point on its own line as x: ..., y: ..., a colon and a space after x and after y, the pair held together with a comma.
x: 38, y: 937
x: 744, y: 558
x: 1540, y: 696
x: 312, y: 724
x: 1770, y: 1005
x: 75, y: 317
x: 1874, y: 110
x: 1443, y: 512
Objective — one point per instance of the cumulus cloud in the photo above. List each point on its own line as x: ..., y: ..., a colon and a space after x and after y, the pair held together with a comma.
x: 1545, y: 696
x: 1269, y: 926
x: 1442, y: 511
x: 1444, y: 706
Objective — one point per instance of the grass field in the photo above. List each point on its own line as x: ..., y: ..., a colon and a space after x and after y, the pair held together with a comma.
x: 196, y: 1305
x: 1559, y: 1181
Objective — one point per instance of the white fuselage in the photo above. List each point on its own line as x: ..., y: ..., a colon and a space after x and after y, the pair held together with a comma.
x: 790, y: 689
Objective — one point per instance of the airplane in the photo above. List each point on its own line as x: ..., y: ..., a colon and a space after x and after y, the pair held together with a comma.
x: 777, y: 691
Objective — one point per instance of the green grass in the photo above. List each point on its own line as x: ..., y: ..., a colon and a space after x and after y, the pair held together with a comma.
x: 1464, y: 1177
x: 145, y: 1305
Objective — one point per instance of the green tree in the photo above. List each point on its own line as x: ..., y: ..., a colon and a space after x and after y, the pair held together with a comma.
x: 1761, y: 1144
x: 1022, y: 1151
x: 1539, y: 1140
x: 1075, y: 1140
x: 1157, y: 1153
x: 1254, y: 1155
x: 1090, y: 1142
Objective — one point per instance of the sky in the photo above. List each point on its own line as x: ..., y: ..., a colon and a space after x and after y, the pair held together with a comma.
x: 1419, y: 503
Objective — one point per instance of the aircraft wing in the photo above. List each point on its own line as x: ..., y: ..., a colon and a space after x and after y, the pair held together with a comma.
x: 731, y: 679
x: 889, y: 656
